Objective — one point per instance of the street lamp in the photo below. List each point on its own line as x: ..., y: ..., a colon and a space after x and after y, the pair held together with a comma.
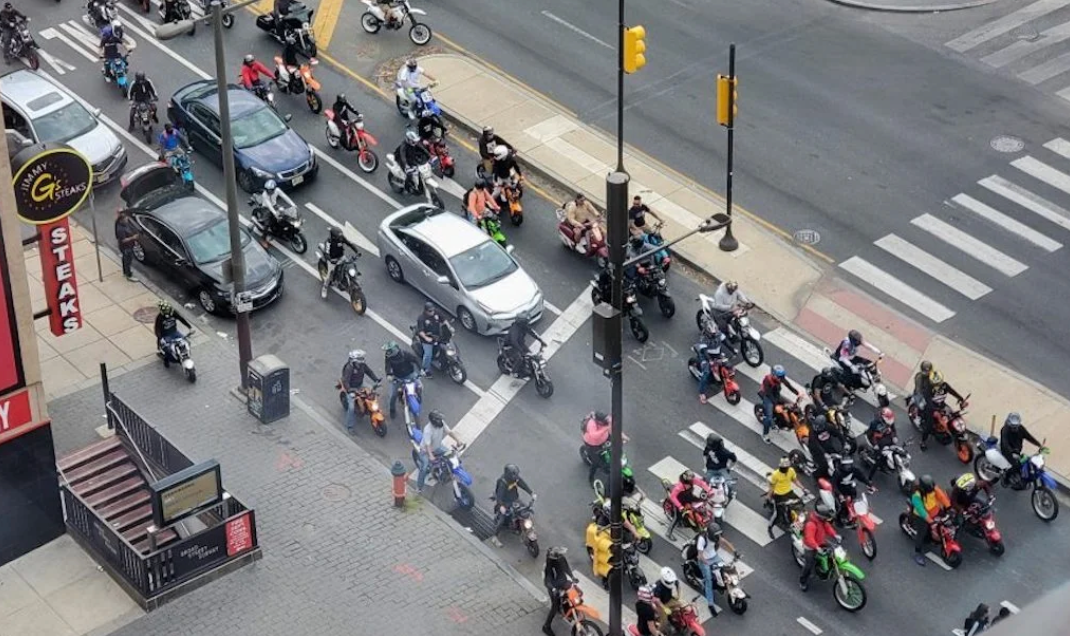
x: 237, y: 258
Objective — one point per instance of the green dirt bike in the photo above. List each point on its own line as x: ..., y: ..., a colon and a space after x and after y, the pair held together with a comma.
x: 491, y: 223
x: 832, y: 565
x: 633, y: 514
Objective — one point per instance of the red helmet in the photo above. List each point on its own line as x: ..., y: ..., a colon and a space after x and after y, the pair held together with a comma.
x: 887, y: 416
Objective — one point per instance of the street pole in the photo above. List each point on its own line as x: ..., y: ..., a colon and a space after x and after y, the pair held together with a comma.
x: 237, y: 258
x: 617, y: 210
x: 620, y: 87
x: 728, y: 242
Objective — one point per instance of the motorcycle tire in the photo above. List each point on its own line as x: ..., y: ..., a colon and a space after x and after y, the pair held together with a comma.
x: 503, y: 365
x: 636, y: 579
x: 800, y: 559
x: 228, y: 21
x: 457, y: 372
x: 584, y: 456
x: 397, y: 184
x: 943, y: 438
x: 334, y: 141
x: 321, y: 267
x: 449, y: 171
x: 953, y: 560
x: 148, y: 135
x: 585, y: 627
x: 314, y: 101
x: 905, y: 524
x: 596, y: 296
x: 33, y: 60
x: 370, y: 23
x: 752, y: 352
x: 984, y: 470
x: 298, y: 243
x: 853, y: 584
x: 700, y: 320
x: 914, y: 416
x: 759, y: 412
x: 868, y: 543
x: 639, y: 330
x: 644, y: 545
x: 544, y: 387
x: 357, y: 300
x: 533, y: 548
x: 367, y: 161
x: 380, y: 430
x: 466, y: 499
x: 1044, y: 504
x: 997, y: 548
x: 738, y: 606
x: 733, y: 398
x: 667, y: 306
x: 964, y: 451
x: 191, y: 375
x: 420, y: 34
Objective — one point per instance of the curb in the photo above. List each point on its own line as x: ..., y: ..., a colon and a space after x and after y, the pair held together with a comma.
x: 889, y: 8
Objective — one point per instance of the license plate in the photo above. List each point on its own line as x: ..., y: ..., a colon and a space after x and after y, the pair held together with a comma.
x: 298, y: 180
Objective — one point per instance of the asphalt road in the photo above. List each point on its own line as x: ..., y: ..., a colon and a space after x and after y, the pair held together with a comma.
x: 542, y: 435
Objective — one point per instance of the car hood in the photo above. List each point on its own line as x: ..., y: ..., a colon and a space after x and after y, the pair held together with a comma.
x: 98, y: 145
x: 285, y: 152
x: 508, y: 295
x: 260, y: 266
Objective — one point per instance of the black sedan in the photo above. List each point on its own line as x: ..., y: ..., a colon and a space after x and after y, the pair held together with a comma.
x: 188, y: 238
x: 264, y: 145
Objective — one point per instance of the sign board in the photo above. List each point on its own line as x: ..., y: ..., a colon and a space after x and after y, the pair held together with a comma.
x: 57, y: 274
x: 11, y: 373
x: 16, y: 415
x: 50, y: 181
x: 241, y: 534
x: 243, y: 302
x: 186, y: 493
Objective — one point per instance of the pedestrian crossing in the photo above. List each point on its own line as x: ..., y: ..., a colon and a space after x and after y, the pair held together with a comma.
x: 985, y: 236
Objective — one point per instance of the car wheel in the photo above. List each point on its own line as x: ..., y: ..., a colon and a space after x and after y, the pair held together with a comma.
x: 207, y: 301
x: 139, y: 252
x: 394, y: 269
x: 468, y: 321
x: 246, y: 181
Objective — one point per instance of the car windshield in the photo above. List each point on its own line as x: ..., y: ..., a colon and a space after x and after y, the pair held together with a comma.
x: 71, y: 121
x: 213, y: 242
x: 483, y: 265
x: 253, y: 129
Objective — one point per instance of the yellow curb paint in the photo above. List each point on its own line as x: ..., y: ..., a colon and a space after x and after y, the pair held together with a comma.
x: 264, y: 6
x: 324, y: 21
x: 348, y: 71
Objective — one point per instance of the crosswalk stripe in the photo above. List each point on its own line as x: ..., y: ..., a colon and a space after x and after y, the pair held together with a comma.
x: 1065, y: 93
x: 1032, y: 202
x: 51, y: 33
x: 947, y: 274
x: 1042, y: 171
x: 1006, y: 222
x: 1024, y: 48
x: 750, y: 523
x: 1043, y: 72
x: 598, y: 598
x: 897, y: 289
x: 968, y: 244
x: 654, y: 518
x: 1059, y: 146
x: 1009, y: 22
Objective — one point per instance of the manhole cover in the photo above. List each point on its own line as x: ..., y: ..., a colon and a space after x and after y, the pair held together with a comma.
x: 146, y: 315
x: 807, y: 237
x: 335, y: 492
x: 1007, y: 143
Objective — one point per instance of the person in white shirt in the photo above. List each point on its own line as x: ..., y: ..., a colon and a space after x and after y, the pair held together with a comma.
x: 267, y: 201
x: 726, y: 300
x: 710, y: 562
x: 410, y: 74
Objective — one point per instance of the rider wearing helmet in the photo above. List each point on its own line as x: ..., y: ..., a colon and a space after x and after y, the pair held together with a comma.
x: 431, y: 127
x: 411, y: 154
x: 824, y: 440
x: 935, y: 399
x: 667, y: 591
x: 506, y: 493
x: 112, y: 48
x: 478, y: 199
x: 345, y: 111
x: 1011, y: 438
x: 9, y: 19
x: 921, y: 383
x: 719, y: 459
x: 967, y: 490
x: 288, y: 71
x: 488, y: 142
x: 845, y: 480
x: 410, y: 74
x: 770, y: 392
x: 710, y: 562
x: 782, y: 483
x: 335, y: 245
x: 825, y: 388
x: 142, y: 91
x: 928, y: 502
x: 166, y: 329
x: 353, y: 372
x: 881, y: 430
x: 431, y: 445
x: 428, y: 331
x: 727, y: 299
x: 850, y: 361
x: 517, y: 341
x: 504, y: 165
x: 646, y: 613
x: 266, y: 207
x: 689, y: 490
x: 251, y: 70
x: 817, y: 532
x: 403, y: 367
x: 557, y: 577
x: 713, y: 341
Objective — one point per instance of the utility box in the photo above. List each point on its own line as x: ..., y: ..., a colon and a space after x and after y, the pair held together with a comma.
x: 606, y: 340
x: 268, y: 389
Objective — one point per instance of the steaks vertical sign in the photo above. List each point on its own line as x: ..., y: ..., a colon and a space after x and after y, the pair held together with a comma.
x: 51, y: 182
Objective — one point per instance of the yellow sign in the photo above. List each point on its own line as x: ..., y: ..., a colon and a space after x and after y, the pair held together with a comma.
x: 50, y: 184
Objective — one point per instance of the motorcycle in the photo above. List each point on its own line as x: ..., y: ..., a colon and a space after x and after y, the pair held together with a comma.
x: 890, y: 459
x: 368, y: 398
x: 739, y: 329
x: 839, y: 418
x: 696, y: 515
x: 786, y: 417
x: 100, y: 14
x: 579, y: 616
x: 177, y: 350
x: 179, y: 11
x: 263, y: 91
x: 992, y: 466
x: 296, y: 23
x: 629, y: 555
x: 655, y: 239
x: 286, y: 225
x: 301, y: 81
x: 345, y: 278
x: 22, y: 45
x: 724, y: 374
x: 411, y: 103
x: 354, y: 138
x: 180, y: 162
x: 446, y: 468
x: 785, y: 515
x: 603, y: 459
x: 851, y: 513
x: 373, y: 19
x: 441, y: 159
x: 206, y: 9
x: 116, y: 69
x: 411, y: 396
x: 684, y: 619
x: 425, y: 182
x: 532, y: 365
x: 522, y: 523
x: 491, y: 223
x: 652, y: 283
x: 732, y: 590
x: 833, y: 565
x: 948, y: 426
x: 508, y: 195
x: 446, y: 357
x: 579, y: 241
x: 868, y: 378
x: 600, y: 291
x: 632, y: 511
x: 942, y: 533
x: 979, y: 519
x: 143, y: 115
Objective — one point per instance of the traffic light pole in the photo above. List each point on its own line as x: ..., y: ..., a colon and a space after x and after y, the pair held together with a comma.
x: 620, y: 88
x: 728, y: 242
x: 617, y: 210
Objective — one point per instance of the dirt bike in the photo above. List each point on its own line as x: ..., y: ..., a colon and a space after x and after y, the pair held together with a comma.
x: 367, y: 400
x: 724, y: 374
x: 732, y: 590
x: 301, y: 81
x: 851, y: 513
x: 696, y: 515
x: 833, y: 565
x: 941, y: 533
x: 600, y: 290
x: 352, y: 138
x: 948, y: 424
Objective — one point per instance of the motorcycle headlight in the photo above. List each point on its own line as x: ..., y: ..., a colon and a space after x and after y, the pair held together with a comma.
x: 352, y: 271
x: 527, y: 524
x: 263, y: 174
x: 839, y: 553
x: 629, y: 299
x: 990, y: 525
x: 374, y: 405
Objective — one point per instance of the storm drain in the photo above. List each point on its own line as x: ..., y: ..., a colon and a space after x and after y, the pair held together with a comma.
x: 478, y: 521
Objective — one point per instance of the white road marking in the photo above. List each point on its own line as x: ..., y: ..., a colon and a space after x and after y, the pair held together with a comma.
x: 58, y: 66
x: 166, y: 51
x: 1065, y: 93
x: 575, y: 29
x: 947, y: 274
x: 550, y: 307
x: 937, y: 560
x: 1010, y: 606
x: 813, y: 629
x: 1047, y: 70
x: 1006, y: 222
x: 146, y: 23
x: 897, y: 289
x: 1028, y: 200
x: 1023, y: 48
x: 1059, y: 146
x: 1042, y: 171
x: 51, y: 33
x: 1009, y: 22
x: 968, y: 244
x: 757, y: 471
x: 85, y: 39
x: 363, y: 241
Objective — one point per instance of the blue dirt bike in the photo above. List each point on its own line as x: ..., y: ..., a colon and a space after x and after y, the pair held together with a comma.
x: 116, y: 70
x: 446, y: 468
x: 182, y: 165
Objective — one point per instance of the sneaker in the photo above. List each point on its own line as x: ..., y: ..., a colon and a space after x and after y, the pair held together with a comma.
x: 702, y: 399
x: 133, y: 279
x: 429, y: 374
x: 919, y: 559
x: 323, y: 293
x: 924, y: 446
x: 494, y: 541
x: 804, y: 586
x: 713, y: 610
x: 765, y: 438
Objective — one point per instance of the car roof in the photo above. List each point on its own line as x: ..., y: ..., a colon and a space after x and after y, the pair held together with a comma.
x: 206, y: 92
x: 451, y: 234
x: 23, y: 86
x: 187, y: 215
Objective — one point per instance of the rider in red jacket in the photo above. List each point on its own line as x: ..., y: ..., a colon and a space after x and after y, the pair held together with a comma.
x: 251, y: 70
x: 690, y: 489
x: 817, y: 533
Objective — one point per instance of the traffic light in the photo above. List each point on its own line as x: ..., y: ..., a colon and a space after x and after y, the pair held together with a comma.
x: 634, y: 47
x: 601, y: 549
x: 727, y: 94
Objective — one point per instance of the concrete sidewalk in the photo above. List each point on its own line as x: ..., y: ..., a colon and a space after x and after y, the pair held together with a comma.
x: 795, y: 285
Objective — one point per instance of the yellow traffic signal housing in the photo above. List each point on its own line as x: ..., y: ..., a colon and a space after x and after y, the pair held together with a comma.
x: 601, y: 549
x: 634, y: 47
x: 727, y: 94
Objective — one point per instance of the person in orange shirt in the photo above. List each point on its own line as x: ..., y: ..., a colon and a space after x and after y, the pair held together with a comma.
x: 478, y: 199
x: 928, y: 502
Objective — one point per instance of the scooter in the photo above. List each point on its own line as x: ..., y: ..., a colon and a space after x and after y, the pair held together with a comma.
x: 286, y: 225
x: 179, y: 10
x: 23, y: 46
x: 522, y: 523
x: 851, y: 512
x: 508, y: 195
x: 447, y: 356
x: 581, y: 241
x: 632, y: 510
x: 411, y: 103
x: 143, y: 115
x: 424, y: 184
x: 696, y: 516
x: 177, y: 350
x: 942, y: 533
x: 116, y: 69
x: 180, y: 162
x: 206, y: 9
x: 491, y: 223
x: 732, y: 590
x: 296, y: 23
x: 949, y: 426
x: 263, y: 91
x: 724, y: 374
x: 355, y: 137
x: 373, y: 19
x: 300, y: 81
x: 446, y: 468
x: 891, y: 459
x: 739, y: 329
x: 992, y: 466
x: 369, y: 398
x: 600, y: 288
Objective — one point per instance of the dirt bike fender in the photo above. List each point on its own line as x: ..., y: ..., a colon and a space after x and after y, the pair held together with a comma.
x: 852, y: 569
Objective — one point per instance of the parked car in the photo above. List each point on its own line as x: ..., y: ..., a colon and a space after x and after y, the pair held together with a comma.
x: 39, y: 111
x: 458, y: 266
x: 188, y: 239
x: 265, y: 147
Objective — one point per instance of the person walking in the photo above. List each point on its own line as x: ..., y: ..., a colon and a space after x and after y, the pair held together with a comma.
x: 126, y: 235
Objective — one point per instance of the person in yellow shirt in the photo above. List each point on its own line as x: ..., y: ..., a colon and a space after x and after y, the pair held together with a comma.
x: 781, y: 482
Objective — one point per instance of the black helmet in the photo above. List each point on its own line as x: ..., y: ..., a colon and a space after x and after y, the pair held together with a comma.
x: 823, y: 511
x: 1013, y: 420
x: 820, y: 424
x: 139, y: 76
x: 602, y: 418
x: 488, y: 131
x: 926, y: 484
x: 827, y: 373
x: 687, y: 477
x: 435, y: 417
x: 336, y: 232
x: 556, y: 552
x: 926, y: 367
x: 512, y: 472
x: 627, y: 483
x: 855, y: 336
x: 341, y: 97
x: 411, y: 63
x: 523, y: 321
x: 714, y: 532
x: 479, y: 183
x: 7, y: 6
x: 714, y: 440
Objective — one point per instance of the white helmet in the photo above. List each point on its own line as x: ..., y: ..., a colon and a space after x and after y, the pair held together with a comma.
x: 270, y: 185
x: 501, y: 152
x: 357, y: 355
x: 668, y: 577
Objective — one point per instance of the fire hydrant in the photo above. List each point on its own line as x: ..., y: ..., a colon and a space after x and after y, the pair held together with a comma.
x: 399, y: 473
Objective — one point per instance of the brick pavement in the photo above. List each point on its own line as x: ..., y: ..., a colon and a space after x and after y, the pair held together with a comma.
x: 338, y: 558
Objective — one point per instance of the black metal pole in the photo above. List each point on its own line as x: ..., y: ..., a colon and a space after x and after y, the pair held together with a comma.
x: 617, y: 210
x: 620, y: 88
x: 107, y: 394
x: 728, y: 242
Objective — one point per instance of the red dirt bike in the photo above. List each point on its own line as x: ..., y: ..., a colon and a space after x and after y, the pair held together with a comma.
x: 942, y: 533
x: 724, y: 373
x: 980, y: 521
x: 852, y: 513
x: 353, y: 138
x: 696, y: 515
x: 441, y: 159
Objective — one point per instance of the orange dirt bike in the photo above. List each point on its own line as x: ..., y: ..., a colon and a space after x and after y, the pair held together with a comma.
x: 367, y: 401
x: 787, y: 417
x: 949, y: 426
x: 509, y: 194
x: 579, y: 616
x: 300, y: 81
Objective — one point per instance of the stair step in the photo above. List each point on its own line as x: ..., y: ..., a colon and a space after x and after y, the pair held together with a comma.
x: 105, y: 479
x: 138, y: 515
x: 139, y: 532
x: 162, y: 539
x: 96, y: 466
x: 110, y: 494
x: 82, y: 455
x: 124, y: 505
